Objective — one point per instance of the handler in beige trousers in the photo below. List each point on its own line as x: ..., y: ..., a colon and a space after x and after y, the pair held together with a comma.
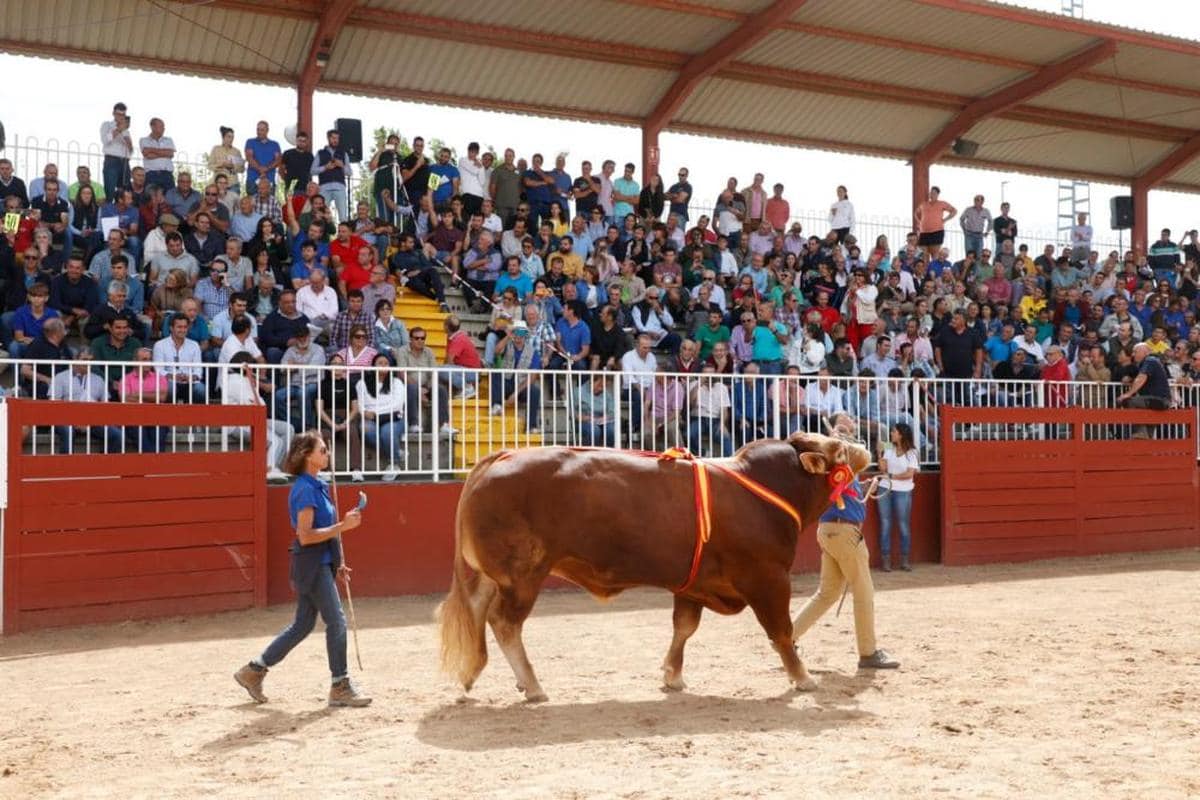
x: 844, y: 560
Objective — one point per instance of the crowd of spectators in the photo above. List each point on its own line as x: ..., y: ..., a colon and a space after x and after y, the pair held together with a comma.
x: 273, y: 262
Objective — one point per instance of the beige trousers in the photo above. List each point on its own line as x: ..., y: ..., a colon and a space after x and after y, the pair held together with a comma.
x: 844, y: 560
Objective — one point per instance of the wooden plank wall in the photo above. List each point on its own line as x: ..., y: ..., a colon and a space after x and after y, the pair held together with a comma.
x: 1085, y: 493
x: 99, y: 538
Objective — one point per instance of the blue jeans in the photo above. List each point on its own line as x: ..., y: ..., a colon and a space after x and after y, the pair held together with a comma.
x: 597, y: 435
x: 189, y: 392
x: 116, y: 174
x: 149, y: 438
x: 335, y: 195
x: 899, y: 505
x: 501, y: 387
x: 457, y: 377
x: 108, y: 437
x: 712, y: 429
x: 972, y: 241
x: 305, y: 398
x: 161, y: 177
x: 386, y: 435
x: 321, y: 599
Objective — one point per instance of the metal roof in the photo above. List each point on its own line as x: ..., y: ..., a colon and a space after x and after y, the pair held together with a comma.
x: 878, y: 77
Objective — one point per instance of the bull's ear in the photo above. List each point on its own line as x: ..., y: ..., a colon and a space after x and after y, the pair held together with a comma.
x: 814, y: 463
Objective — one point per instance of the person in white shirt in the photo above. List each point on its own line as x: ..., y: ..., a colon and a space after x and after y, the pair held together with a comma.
x: 472, y: 180
x: 807, y: 352
x: 822, y: 397
x: 899, y: 462
x: 117, y: 145
x: 861, y: 301
x: 841, y: 215
x: 638, y: 366
x: 240, y: 341
x: 175, y: 352
x: 491, y: 220
x: 241, y: 388
x: 1031, y: 345
x: 716, y: 293
x: 381, y: 396
x: 651, y: 317
x: 318, y: 301
x: 1081, y: 240
x: 158, y: 154
x: 710, y: 415
x: 79, y: 384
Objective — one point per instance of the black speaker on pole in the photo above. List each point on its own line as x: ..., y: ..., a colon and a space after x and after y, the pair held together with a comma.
x: 1121, y: 208
x: 350, y: 131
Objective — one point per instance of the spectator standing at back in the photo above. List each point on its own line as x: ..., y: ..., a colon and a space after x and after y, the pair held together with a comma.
x: 756, y: 204
x: 778, y: 209
x: 1004, y: 226
x: 158, y: 153
x: 263, y: 156
x: 931, y: 217
x: 117, y: 145
x: 841, y: 215
x: 976, y: 222
x: 679, y: 194
x: 1081, y: 240
x: 333, y: 168
x: 295, y: 165
x: 473, y: 180
x: 625, y: 194
x: 1164, y: 256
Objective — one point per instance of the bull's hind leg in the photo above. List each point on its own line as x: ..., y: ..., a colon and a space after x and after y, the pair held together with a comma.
x: 507, y: 616
x: 686, y: 619
x: 769, y: 597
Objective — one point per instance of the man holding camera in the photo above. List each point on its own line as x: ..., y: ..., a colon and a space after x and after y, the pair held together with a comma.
x: 117, y: 144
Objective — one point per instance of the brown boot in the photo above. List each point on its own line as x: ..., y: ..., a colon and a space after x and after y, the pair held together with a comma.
x: 343, y: 693
x: 885, y: 563
x: 250, y: 678
x: 904, y: 565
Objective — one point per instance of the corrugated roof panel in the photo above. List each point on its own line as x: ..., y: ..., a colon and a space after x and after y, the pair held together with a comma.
x: 1154, y: 66
x: 1121, y: 103
x: 1189, y: 174
x: 1055, y: 149
x: 488, y: 72
x: 900, y: 19
x: 601, y: 20
x: 791, y: 50
x: 806, y: 115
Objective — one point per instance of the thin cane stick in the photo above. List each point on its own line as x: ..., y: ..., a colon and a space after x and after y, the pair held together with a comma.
x: 349, y: 596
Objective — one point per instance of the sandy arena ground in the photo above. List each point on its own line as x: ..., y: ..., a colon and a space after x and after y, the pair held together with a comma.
x: 1068, y: 679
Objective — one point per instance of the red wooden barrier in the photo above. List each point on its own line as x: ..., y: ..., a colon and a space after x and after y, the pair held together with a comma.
x: 94, y: 538
x: 1085, y: 493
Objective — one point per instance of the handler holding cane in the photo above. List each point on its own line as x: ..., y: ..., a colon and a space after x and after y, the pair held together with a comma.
x: 316, y: 558
x: 844, y: 561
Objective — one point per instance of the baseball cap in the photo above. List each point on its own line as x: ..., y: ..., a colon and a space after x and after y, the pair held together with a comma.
x: 168, y: 219
x: 520, y: 328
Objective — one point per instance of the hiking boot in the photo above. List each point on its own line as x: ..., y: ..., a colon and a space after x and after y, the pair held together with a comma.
x: 250, y: 678
x: 878, y: 660
x: 885, y: 563
x: 904, y: 565
x: 343, y: 693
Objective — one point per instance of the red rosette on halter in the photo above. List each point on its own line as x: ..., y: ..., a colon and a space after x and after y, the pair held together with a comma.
x: 840, y: 478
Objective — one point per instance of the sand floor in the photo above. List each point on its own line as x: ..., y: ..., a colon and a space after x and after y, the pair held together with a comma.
x: 1059, y: 679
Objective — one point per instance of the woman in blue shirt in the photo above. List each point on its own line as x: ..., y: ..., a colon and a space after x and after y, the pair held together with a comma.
x: 316, y: 557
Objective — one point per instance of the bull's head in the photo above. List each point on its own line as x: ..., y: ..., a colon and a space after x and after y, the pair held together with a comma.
x: 820, y: 454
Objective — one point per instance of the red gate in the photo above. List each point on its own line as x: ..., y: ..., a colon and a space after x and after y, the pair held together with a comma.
x: 106, y: 537
x: 1022, y: 484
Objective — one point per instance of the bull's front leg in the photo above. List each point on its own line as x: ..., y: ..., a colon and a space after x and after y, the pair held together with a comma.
x: 770, y: 598
x: 686, y: 619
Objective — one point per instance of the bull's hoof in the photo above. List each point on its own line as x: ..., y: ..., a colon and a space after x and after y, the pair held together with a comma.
x: 805, y: 685
x: 673, y: 681
x: 536, y: 697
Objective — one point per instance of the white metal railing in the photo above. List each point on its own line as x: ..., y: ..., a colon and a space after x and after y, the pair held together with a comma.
x: 418, y: 423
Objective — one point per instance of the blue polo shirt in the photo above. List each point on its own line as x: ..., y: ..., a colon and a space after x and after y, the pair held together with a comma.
x: 308, y: 492
x: 574, y: 337
x: 999, y: 350
x: 855, y: 512
x: 322, y: 249
x: 264, y: 153
x: 539, y: 195
x: 23, y: 320
x: 766, y: 346
x: 446, y: 173
x: 522, y: 283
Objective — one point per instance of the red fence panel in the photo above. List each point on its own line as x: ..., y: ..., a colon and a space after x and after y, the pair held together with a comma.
x: 1022, y: 484
x: 98, y: 537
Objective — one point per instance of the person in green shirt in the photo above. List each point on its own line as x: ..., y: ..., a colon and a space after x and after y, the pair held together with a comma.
x: 118, y: 345
x: 710, y: 334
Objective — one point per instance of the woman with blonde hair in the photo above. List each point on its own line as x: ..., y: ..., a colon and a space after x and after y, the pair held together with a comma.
x: 168, y: 297
x: 316, y: 566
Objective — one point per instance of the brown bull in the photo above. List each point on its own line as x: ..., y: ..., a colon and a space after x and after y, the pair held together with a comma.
x: 609, y: 520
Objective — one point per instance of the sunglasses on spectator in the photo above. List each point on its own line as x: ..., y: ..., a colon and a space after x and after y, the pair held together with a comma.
x: 418, y: 338
x: 210, y: 194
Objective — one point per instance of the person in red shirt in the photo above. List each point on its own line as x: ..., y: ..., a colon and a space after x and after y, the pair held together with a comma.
x: 1058, y: 373
x: 830, y: 316
x: 778, y: 209
x: 462, y: 359
x: 356, y: 273
x: 343, y: 250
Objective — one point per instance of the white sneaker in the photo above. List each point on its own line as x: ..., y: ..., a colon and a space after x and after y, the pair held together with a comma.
x: 274, y: 474
x: 533, y: 431
x: 448, y: 431
x: 497, y: 410
x: 356, y: 476
x: 414, y: 430
x: 391, y: 473
x: 468, y: 392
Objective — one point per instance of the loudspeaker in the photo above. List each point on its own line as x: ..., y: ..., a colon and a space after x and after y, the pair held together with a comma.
x: 1121, y: 208
x: 965, y: 148
x: 350, y: 131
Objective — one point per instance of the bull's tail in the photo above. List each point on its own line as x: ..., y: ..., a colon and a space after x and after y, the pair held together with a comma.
x: 463, y: 614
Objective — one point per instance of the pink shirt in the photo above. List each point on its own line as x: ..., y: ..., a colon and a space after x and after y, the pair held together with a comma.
x: 931, y: 216
x: 142, y: 383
